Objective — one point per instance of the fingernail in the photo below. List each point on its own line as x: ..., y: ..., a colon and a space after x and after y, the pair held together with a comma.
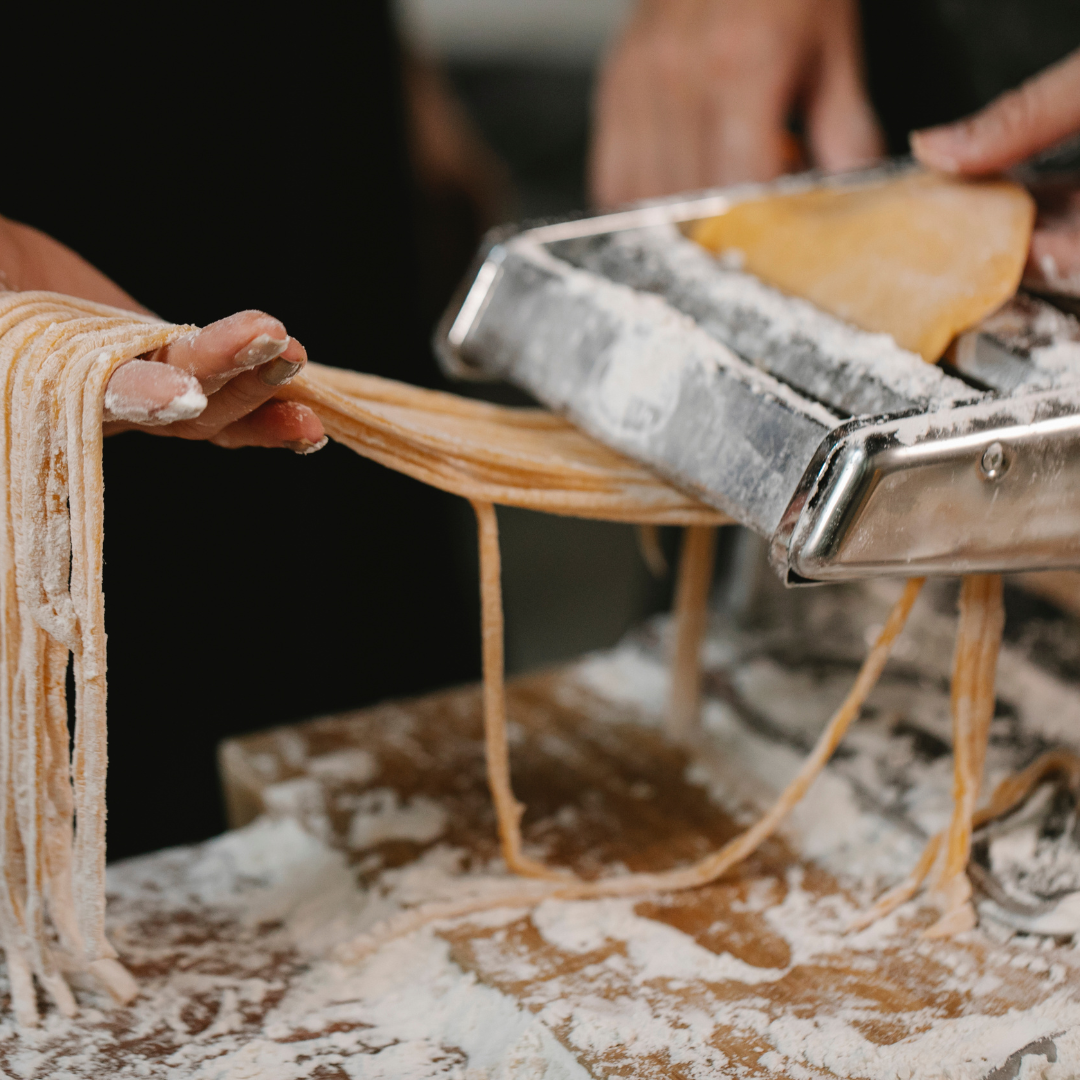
x: 306, y: 446
x: 278, y: 372
x: 147, y: 393
x: 260, y: 350
x: 185, y: 407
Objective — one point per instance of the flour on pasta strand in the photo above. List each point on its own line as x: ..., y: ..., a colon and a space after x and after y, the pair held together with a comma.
x: 56, y: 357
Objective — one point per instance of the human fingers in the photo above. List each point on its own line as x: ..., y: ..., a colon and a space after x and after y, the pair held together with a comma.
x: 243, y: 394
x: 623, y: 153
x: 145, y: 393
x: 678, y: 102
x: 842, y: 129
x: 220, y: 351
x: 1037, y: 115
x: 755, y: 56
x: 276, y: 423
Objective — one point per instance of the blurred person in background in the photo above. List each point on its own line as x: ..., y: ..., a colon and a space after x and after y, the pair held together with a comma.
x: 697, y: 93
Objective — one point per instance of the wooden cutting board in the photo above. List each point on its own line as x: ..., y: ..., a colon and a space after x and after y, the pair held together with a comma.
x: 341, y: 821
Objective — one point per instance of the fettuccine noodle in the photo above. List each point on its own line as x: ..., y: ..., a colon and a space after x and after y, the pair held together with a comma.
x: 56, y: 356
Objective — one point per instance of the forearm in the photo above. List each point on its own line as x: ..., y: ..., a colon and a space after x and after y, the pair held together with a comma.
x: 31, y: 260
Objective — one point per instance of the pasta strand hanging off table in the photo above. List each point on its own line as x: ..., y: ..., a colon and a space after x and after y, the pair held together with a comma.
x: 56, y: 357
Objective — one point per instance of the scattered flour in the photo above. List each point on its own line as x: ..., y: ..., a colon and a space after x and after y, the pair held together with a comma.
x: 379, y: 815
x: 656, y: 950
x: 235, y: 937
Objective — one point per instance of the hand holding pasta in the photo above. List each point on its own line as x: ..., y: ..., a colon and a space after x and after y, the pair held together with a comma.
x: 215, y: 383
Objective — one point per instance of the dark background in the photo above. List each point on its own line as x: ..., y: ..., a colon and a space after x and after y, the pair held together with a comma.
x: 215, y: 159
x: 209, y: 165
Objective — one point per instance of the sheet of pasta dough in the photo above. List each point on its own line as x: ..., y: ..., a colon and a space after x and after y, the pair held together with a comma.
x: 922, y: 257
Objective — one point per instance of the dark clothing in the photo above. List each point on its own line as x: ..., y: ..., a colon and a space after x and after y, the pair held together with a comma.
x: 229, y: 164
x: 931, y: 61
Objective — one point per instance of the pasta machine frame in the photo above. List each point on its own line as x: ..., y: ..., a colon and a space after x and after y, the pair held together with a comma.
x: 851, y: 456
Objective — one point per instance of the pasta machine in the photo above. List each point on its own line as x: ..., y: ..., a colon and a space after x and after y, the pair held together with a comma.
x: 853, y: 457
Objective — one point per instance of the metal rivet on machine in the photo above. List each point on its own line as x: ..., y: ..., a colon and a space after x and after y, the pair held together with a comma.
x: 993, y: 462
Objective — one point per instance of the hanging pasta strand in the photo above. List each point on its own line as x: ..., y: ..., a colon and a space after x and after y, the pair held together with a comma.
x: 651, y: 550
x: 508, y: 810
x: 56, y: 357
x: 978, y: 640
x: 946, y: 855
x: 534, y: 460
x: 702, y: 872
x: 683, y: 717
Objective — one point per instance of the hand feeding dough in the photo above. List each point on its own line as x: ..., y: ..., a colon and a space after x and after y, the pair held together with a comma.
x: 922, y: 257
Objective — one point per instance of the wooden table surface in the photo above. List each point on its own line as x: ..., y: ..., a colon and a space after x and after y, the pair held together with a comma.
x: 343, y: 820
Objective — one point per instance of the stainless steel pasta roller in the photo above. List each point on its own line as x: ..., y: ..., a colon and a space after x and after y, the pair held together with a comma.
x: 852, y: 456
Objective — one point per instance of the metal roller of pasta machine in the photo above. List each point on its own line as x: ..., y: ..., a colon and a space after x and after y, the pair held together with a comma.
x: 852, y: 456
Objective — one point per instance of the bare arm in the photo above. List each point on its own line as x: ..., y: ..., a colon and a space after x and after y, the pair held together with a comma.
x: 214, y: 384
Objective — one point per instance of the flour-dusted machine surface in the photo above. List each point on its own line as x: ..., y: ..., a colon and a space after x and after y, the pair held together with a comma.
x: 850, y: 454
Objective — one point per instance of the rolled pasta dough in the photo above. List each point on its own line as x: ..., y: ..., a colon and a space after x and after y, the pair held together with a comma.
x: 921, y: 257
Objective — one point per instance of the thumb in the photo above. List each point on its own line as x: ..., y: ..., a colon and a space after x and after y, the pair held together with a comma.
x: 1037, y: 115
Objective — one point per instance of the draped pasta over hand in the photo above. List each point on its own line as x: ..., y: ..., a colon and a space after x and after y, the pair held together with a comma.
x: 56, y: 357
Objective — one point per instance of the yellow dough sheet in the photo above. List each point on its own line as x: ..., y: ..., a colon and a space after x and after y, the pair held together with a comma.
x: 922, y: 257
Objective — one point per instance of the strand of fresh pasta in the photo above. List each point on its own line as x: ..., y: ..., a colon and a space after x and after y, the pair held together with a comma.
x: 56, y: 357
x: 683, y: 716
x: 648, y: 538
x: 508, y: 810
x: 1007, y: 796
x: 414, y: 431
x: 702, y: 872
x: 695, y: 578
x: 978, y: 641
x: 487, y: 453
